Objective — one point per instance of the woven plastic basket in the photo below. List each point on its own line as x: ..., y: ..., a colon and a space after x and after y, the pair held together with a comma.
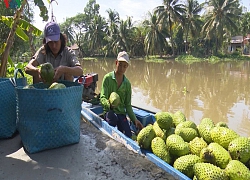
x: 49, y: 118
x: 8, y: 104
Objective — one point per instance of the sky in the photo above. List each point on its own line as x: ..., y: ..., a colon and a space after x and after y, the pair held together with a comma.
x: 137, y: 9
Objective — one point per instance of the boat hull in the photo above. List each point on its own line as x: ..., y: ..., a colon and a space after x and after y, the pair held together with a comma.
x: 92, y: 114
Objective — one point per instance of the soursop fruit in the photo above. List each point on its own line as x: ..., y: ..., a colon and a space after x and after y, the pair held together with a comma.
x: 236, y: 170
x: 215, y: 154
x: 170, y: 131
x: 187, y: 124
x: 164, y: 120
x: 221, y: 124
x: 185, y: 164
x: 178, y: 118
x: 188, y: 134
x: 159, y: 132
x: 196, y: 145
x: 47, y: 73
x: 204, y: 129
x: 145, y: 136
x: 207, y: 171
x: 239, y: 149
x: 204, y: 132
x: 207, y: 122
x: 177, y: 146
x: 56, y: 85
x: 159, y: 148
x: 114, y: 99
x: 223, y: 136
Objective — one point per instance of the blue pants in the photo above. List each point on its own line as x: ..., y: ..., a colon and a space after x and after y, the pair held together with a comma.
x: 120, y: 121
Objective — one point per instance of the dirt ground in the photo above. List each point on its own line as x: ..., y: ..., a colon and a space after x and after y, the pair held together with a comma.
x: 95, y: 157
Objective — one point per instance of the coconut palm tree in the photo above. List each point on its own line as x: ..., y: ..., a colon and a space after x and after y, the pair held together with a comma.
x: 171, y: 12
x: 96, y: 34
x: 155, y: 40
x: 112, y: 31
x: 221, y: 17
x: 192, y: 19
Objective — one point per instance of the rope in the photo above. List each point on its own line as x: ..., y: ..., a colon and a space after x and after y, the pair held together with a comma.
x: 53, y: 18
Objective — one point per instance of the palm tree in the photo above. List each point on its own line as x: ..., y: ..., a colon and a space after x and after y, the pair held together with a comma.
x: 112, y: 31
x: 170, y: 13
x: 155, y: 40
x: 96, y: 34
x: 124, y: 31
x: 192, y: 19
x: 222, y: 16
x: 113, y: 22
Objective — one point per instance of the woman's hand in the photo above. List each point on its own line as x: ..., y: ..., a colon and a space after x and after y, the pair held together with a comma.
x: 59, y: 71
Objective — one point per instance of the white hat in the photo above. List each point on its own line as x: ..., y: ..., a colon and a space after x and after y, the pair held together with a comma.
x: 123, y: 56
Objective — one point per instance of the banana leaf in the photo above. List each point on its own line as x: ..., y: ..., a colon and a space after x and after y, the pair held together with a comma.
x: 23, y: 25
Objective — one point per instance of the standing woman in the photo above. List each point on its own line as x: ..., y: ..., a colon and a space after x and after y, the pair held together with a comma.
x: 116, y: 81
x: 57, y: 53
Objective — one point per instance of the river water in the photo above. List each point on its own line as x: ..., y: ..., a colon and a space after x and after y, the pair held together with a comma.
x: 219, y: 91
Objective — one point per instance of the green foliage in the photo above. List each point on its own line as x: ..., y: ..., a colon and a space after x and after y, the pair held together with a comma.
x: 188, y: 59
x: 20, y: 65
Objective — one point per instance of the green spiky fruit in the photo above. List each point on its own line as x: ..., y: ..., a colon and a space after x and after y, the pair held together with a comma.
x: 185, y: 164
x: 204, y: 129
x: 177, y: 146
x: 134, y: 137
x: 188, y: 134
x: 145, y: 136
x: 196, y: 145
x: 178, y: 118
x: 159, y: 148
x: 207, y: 121
x: 114, y: 99
x: 56, y: 85
x: 187, y: 124
x: 164, y: 120
x: 223, y: 136
x: 170, y: 131
x: 159, y: 132
x: 239, y: 149
x: 207, y: 171
x: 47, y: 73
x: 221, y: 124
x: 204, y: 132
x: 215, y: 154
x: 236, y: 170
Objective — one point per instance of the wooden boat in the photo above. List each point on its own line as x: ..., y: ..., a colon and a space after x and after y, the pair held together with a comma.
x: 92, y: 114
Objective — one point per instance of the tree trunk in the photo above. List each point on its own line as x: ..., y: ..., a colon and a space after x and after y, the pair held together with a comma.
x: 171, y: 35
x: 10, y: 39
x: 31, y: 41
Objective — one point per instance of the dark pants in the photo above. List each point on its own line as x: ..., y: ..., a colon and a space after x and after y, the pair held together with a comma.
x: 120, y: 121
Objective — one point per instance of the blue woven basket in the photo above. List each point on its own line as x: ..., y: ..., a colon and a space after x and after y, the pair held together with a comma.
x: 49, y: 119
x: 8, y: 104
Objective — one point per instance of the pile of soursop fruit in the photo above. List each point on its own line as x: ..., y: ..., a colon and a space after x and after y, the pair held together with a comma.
x: 207, y: 151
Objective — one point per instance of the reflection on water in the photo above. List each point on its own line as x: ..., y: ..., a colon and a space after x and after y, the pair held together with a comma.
x: 218, y: 91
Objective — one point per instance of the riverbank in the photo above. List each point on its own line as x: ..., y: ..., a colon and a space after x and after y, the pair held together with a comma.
x: 95, y: 157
